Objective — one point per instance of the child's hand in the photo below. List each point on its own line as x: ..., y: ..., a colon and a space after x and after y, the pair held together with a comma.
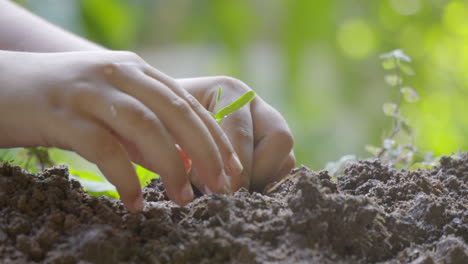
x: 111, y: 108
x: 259, y: 134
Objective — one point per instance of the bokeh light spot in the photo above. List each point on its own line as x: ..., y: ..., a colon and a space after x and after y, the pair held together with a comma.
x: 412, y: 41
x: 356, y: 39
x: 406, y: 7
x: 456, y: 18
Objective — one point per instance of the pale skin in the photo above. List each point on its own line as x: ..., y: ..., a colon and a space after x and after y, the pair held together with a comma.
x: 112, y: 108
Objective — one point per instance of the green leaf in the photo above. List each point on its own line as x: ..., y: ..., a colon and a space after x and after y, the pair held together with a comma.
x: 86, y: 175
x: 419, y: 165
x: 406, y: 69
x: 392, y: 79
x: 388, y: 64
x: 407, y: 128
x: 418, y: 157
x: 145, y: 176
x: 111, y: 194
x: 336, y: 169
x: 409, y: 94
x: 236, y: 105
x: 94, y: 184
x: 389, y: 109
x: 398, y: 54
x: 218, y: 97
x: 389, y: 143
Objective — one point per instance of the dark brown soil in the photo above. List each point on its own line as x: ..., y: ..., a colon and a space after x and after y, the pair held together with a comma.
x: 372, y: 214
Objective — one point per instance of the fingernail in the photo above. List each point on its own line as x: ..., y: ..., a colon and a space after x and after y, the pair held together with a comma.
x: 207, y: 190
x: 224, y: 182
x: 235, y: 166
x: 187, y: 194
x: 138, y: 203
x: 228, y: 188
x: 185, y: 158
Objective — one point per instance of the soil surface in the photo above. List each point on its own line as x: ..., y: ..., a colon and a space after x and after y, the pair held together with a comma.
x: 373, y: 214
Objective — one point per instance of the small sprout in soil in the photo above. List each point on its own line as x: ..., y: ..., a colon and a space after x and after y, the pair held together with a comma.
x: 233, y: 107
x: 219, y: 116
x: 38, y: 158
x: 398, y: 148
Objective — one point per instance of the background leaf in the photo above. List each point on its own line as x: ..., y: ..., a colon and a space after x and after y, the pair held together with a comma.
x: 392, y: 79
x: 389, y: 109
x: 409, y: 94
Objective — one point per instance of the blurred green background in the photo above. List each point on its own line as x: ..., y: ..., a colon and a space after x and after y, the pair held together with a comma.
x: 315, y: 61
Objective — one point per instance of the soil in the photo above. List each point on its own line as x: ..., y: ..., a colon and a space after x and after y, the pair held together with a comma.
x: 373, y: 214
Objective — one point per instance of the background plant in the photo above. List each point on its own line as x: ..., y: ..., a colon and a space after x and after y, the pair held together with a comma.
x: 398, y: 148
x: 315, y: 61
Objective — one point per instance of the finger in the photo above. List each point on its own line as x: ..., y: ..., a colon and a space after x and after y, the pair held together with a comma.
x: 273, y: 142
x: 230, y: 159
x: 97, y: 145
x: 287, y: 165
x: 180, y: 120
x: 239, y: 129
x: 140, y: 128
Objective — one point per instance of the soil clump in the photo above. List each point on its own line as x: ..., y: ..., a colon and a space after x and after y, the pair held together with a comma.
x: 372, y: 214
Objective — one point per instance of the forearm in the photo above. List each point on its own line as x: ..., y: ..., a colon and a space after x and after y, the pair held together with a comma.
x: 21, y: 30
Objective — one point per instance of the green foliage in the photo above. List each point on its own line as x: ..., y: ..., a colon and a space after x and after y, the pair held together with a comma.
x: 233, y: 107
x: 94, y: 184
x: 398, y: 148
x: 32, y: 159
x: 39, y: 158
x: 113, y: 23
x: 308, y: 62
x: 336, y: 169
x: 97, y: 185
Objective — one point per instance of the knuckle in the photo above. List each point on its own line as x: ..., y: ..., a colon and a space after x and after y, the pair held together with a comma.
x: 108, y: 68
x: 180, y: 105
x: 243, y: 134
x: 285, y: 137
x: 129, y: 55
x: 141, y: 118
x: 192, y: 100
x: 233, y: 84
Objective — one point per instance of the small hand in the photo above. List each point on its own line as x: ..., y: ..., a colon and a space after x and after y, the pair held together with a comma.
x: 113, y: 108
x: 258, y: 133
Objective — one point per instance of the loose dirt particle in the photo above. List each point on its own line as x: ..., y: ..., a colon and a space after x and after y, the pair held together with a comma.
x: 372, y: 214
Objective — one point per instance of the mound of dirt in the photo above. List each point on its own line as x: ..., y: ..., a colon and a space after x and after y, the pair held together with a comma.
x: 372, y: 214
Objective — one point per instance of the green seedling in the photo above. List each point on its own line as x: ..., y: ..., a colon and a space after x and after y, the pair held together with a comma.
x: 233, y: 107
x: 398, y: 147
x: 36, y: 159
x: 219, y: 116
